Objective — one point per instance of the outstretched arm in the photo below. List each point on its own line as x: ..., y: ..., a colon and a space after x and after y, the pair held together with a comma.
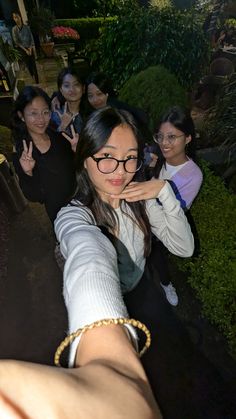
x: 110, y: 383
x: 108, y: 380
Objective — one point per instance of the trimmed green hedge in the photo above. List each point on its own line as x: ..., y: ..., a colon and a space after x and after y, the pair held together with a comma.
x: 154, y: 90
x: 88, y: 28
x: 212, y: 274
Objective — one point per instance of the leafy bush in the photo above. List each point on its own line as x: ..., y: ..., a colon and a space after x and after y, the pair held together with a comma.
x: 161, y: 4
x: 219, y: 122
x: 230, y: 23
x: 179, y: 4
x: 101, y: 7
x: 212, y: 273
x: 154, y: 90
x: 146, y: 37
x: 10, y: 53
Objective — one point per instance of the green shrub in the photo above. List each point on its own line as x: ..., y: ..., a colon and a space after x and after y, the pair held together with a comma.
x: 213, y: 272
x: 154, y: 90
x: 148, y: 36
x: 179, y: 4
x: 219, y: 122
x: 230, y: 23
x: 161, y: 4
x: 102, y: 7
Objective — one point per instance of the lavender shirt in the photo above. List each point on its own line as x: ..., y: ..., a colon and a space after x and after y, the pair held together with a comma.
x: 185, y: 179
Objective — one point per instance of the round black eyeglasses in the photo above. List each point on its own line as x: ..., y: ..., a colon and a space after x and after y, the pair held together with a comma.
x: 108, y: 165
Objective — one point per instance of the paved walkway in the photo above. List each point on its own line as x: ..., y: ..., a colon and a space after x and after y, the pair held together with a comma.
x: 48, y: 69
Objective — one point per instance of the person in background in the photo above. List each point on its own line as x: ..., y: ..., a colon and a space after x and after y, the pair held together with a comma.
x: 175, y: 136
x: 100, y: 93
x: 43, y: 159
x: 67, y: 113
x: 24, y: 41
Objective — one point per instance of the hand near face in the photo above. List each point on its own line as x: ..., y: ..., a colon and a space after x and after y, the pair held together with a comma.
x: 154, y: 159
x: 26, y: 160
x: 65, y: 118
x: 55, y: 104
x: 72, y: 140
x: 137, y: 191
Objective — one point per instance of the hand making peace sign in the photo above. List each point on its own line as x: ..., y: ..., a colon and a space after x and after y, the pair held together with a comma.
x: 26, y: 160
x: 65, y: 117
x: 72, y: 140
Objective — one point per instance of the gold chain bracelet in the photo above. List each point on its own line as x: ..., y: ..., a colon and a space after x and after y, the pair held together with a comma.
x: 106, y: 322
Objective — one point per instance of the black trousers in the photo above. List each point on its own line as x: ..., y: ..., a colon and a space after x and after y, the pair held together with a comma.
x: 158, y: 262
x: 29, y: 60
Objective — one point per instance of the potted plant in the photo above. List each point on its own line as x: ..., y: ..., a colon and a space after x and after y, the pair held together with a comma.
x: 41, y: 22
x: 11, y: 54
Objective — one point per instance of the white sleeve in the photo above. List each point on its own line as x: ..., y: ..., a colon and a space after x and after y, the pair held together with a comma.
x: 91, y: 281
x: 169, y: 223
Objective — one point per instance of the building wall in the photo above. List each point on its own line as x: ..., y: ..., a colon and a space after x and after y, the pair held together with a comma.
x: 8, y: 6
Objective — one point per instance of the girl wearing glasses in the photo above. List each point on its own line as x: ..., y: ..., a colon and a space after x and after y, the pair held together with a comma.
x: 176, y: 139
x: 43, y: 159
x: 108, y: 158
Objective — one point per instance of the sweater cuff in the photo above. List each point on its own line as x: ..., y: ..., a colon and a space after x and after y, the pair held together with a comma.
x: 167, y: 198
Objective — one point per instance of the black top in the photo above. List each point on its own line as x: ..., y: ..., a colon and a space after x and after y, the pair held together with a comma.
x: 53, y: 181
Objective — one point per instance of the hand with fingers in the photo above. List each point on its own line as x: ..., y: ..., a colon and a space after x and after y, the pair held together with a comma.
x: 72, y: 140
x: 26, y: 160
x: 154, y: 159
x: 65, y: 118
x: 138, y: 191
x: 55, y: 104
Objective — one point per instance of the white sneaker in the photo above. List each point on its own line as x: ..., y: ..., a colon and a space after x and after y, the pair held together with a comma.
x: 171, y: 295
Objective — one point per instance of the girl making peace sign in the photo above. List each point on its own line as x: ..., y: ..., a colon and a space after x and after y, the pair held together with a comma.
x: 71, y: 89
x: 44, y: 160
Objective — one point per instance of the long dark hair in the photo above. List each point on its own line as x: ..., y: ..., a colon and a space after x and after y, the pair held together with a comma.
x: 102, y: 82
x: 75, y: 73
x: 93, y: 137
x: 26, y: 96
x: 69, y: 70
x: 181, y: 119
